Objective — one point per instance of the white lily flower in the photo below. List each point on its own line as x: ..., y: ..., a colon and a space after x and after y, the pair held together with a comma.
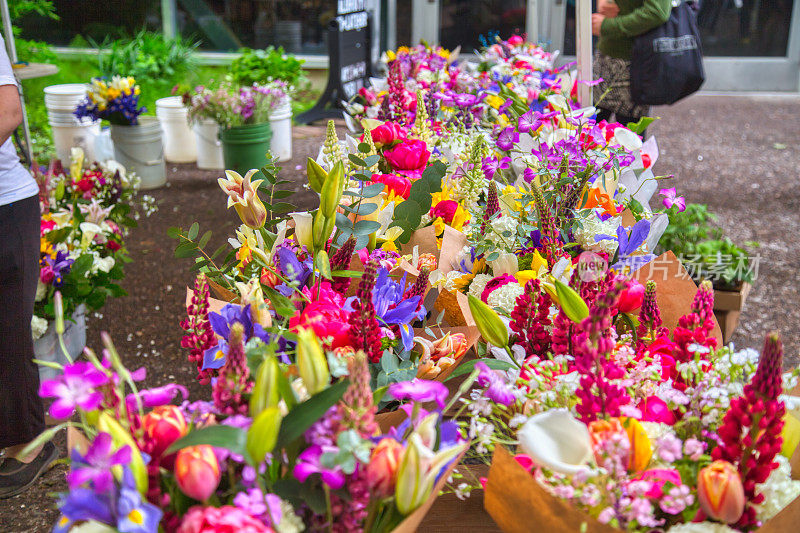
x: 554, y: 439
x: 303, y: 227
x: 506, y: 263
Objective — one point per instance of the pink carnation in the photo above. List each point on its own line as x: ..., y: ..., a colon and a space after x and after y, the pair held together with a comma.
x: 227, y: 519
x: 409, y: 157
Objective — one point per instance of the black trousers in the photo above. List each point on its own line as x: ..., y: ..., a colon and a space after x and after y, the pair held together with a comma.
x: 21, y: 408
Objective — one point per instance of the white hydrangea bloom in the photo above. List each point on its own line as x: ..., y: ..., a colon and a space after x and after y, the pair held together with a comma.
x: 505, y: 297
x: 41, y: 291
x: 478, y: 284
x: 38, y: 327
x: 592, y: 226
x: 290, y: 522
x: 779, y: 490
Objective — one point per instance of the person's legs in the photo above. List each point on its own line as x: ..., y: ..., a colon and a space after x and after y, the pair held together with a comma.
x: 21, y: 408
x: 603, y: 114
x: 626, y: 119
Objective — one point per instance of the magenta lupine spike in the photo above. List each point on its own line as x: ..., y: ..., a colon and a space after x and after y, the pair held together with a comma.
x: 419, y: 287
x: 530, y: 318
x: 592, y: 348
x: 340, y: 260
x: 547, y: 226
x: 357, y: 407
x: 750, y: 433
x: 649, y: 313
x: 492, y: 205
x: 703, y: 303
x: 233, y: 383
x: 199, y: 335
x: 397, y: 91
x: 364, y: 328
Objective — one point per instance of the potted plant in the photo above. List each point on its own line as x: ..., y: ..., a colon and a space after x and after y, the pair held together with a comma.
x: 242, y: 114
x: 708, y: 254
x: 137, y: 139
x: 273, y: 65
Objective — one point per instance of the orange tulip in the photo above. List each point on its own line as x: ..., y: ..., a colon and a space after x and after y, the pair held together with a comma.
x: 163, y: 426
x: 720, y: 492
x: 382, y: 467
x: 600, y: 199
x: 197, y: 471
x: 641, y: 450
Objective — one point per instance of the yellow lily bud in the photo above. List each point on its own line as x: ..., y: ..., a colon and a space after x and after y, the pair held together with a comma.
x: 263, y: 433
x: 311, y: 362
x: 491, y: 328
x: 571, y: 302
x: 331, y: 191
x: 316, y: 175
x: 265, y: 390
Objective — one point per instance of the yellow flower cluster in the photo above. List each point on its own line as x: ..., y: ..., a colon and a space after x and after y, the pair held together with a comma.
x: 102, y: 92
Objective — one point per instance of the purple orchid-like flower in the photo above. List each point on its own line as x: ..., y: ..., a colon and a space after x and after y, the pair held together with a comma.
x: 671, y: 198
x: 157, y: 396
x: 53, y: 269
x: 83, y: 504
x: 490, y: 165
x: 419, y: 390
x: 497, y: 389
x: 309, y: 462
x: 291, y: 267
x: 531, y: 120
x: 221, y: 323
x: 95, y: 466
x: 507, y: 138
x: 76, y: 387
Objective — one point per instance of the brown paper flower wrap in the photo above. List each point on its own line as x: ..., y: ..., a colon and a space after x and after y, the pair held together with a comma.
x: 518, y: 504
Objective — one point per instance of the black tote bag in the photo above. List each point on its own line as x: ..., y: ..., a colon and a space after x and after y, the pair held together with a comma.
x: 667, y: 61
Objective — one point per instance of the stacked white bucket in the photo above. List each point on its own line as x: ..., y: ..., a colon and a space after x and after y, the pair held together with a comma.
x: 180, y: 145
x: 69, y: 131
x: 281, y: 122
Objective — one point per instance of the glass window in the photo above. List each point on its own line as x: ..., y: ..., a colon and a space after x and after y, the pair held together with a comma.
x: 745, y: 27
x: 463, y: 21
x: 226, y: 25
x: 90, y: 19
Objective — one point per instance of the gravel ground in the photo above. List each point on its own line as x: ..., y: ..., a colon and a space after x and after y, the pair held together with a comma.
x: 740, y: 155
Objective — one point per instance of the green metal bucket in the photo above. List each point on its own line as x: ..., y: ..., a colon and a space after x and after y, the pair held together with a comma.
x: 245, y: 147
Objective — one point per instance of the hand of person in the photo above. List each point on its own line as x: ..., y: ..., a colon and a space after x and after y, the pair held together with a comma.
x: 607, y: 8
x: 597, y: 22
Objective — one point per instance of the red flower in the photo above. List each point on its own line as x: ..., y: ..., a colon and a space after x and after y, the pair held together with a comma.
x: 387, y: 134
x: 631, y: 297
x: 446, y: 210
x: 409, y: 157
x: 113, y: 245
x: 398, y: 185
x: 654, y: 409
x: 664, y: 348
x: 329, y: 322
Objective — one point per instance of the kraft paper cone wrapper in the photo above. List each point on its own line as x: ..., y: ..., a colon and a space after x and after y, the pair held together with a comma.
x: 412, y: 521
x: 675, y: 289
x: 214, y: 305
x: 221, y: 292
x: 518, y: 504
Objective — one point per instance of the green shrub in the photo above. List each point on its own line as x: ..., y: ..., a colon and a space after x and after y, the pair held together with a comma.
x: 148, y: 57
x: 262, y: 66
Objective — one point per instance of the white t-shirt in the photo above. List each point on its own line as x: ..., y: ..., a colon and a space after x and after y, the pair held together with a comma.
x: 16, y: 183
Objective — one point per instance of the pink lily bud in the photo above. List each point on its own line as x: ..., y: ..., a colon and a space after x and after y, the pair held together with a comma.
x: 243, y: 196
x: 382, y: 467
x: 197, y: 471
x: 720, y: 492
x: 163, y: 426
x: 451, y: 345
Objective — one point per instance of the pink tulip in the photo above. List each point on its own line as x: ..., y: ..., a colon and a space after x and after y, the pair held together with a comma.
x: 515, y: 40
x: 654, y: 409
x: 631, y: 297
x: 197, y: 471
x: 387, y: 134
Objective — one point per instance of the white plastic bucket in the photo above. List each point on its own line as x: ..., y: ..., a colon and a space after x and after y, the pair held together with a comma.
x: 47, y: 347
x: 281, y: 123
x: 140, y: 149
x: 180, y: 145
x: 209, y: 147
x: 69, y: 132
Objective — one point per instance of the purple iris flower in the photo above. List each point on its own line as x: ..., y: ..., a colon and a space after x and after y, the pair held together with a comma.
x: 507, y: 138
x: 55, y: 268
x: 490, y: 165
x: 628, y: 245
x: 292, y: 268
x: 96, y: 465
x: 83, y: 504
x: 133, y: 514
x: 221, y: 323
x: 76, y: 387
x: 157, y: 396
x: 309, y: 463
x: 496, y: 388
x: 419, y: 390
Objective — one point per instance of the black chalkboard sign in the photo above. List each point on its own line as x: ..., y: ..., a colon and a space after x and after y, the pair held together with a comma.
x: 349, y: 63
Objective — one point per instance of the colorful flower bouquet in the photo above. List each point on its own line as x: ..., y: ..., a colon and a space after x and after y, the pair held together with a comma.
x: 116, y: 101
x: 86, y: 211
x: 632, y: 426
x: 230, y: 105
x: 281, y: 447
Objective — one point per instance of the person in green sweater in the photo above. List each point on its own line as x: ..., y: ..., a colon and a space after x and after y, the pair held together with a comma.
x: 617, y: 23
